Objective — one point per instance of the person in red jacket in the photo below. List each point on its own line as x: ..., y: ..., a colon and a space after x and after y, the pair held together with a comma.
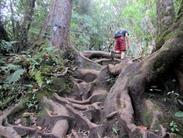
x: 121, y: 43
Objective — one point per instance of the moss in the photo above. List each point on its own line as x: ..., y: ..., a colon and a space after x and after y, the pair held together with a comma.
x: 6, y: 102
x: 168, y: 34
x: 148, y: 112
x: 43, y: 93
x: 61, y: 85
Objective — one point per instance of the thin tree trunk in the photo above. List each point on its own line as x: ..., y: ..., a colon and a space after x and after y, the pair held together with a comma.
x: 25, y: 26
x: 3, y: 33
x: 12, y: 17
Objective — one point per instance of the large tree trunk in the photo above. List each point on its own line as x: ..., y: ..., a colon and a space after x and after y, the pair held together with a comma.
x: 165, y: 15
x: 165, y: 18
x: 60, y: 22
x: 126, y: 97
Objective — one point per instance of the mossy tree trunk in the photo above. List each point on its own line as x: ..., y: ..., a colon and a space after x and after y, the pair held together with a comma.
x: 165, y: 18
x: 22, y: 29
x: 165, y: 14
x: 3, y: 33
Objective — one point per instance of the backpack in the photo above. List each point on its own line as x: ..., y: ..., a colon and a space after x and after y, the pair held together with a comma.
x: 120, y: 33
x: 117, y: 34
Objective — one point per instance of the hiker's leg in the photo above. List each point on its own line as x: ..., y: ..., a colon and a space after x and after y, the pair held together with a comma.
x: 112, y: 54
x: 122, y: 54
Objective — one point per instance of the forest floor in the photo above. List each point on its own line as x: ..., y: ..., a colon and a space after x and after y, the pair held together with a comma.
x: 43, y: 95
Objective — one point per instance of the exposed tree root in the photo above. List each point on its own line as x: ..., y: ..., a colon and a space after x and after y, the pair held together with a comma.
x: 99, y: 54
x: 105, y: 61
x: 97, y: 108
x: 8, y: 132
x: 60, y: 127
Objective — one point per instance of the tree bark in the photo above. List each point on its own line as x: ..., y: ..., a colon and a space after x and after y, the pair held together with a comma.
x: 25, y: 25
x: 12, y: 17
x: 60, y: 23
x: 3, y: 33
x: 165, y: 19
x: 165, y: 14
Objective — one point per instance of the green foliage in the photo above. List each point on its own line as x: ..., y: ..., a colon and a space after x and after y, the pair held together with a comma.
x: 32, y: 103
x: 6, y: 47
x: 10, y: 93
x: 11, y: 73
x: 94, y: 30
x: 115, y: 130
x: 39, y: 78
x: 43, y: 63
x: 10, y: 88
x: 15, y: 76
x: 29, y: 74
x: 40, y: 14
x: 173, y: 127
x: 179, y: 114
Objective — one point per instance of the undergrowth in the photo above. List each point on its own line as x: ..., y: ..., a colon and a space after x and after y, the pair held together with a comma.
x: 30, y: 75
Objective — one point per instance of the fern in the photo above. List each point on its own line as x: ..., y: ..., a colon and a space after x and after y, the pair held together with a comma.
x: 12, y: 67
x: 9, y: 67
x: 39, y: 78
x: 15, y: 76
x: 7, y: 46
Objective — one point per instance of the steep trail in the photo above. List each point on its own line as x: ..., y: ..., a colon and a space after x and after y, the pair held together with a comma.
x: 107, y: 102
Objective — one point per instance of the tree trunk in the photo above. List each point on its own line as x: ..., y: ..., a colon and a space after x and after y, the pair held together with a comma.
x: 165, y: 15
x: 25, y: 25
x: 60, y: 23
x: 12, y: 17
x: 3, y: 33
x: 165, y: 19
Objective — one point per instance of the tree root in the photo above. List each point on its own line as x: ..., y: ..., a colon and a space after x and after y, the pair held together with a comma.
x: 61, y: 127
x: 104, y: 61
x: 8, y: 132
x: 97, y: 106
x: 98, y: 54
x: 12, y: 110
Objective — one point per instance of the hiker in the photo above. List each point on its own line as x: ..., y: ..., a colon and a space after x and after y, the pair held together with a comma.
x: 121, y: 43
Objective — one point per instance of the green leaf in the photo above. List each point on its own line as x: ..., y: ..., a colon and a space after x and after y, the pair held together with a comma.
x: 114, y: 130
x: 177, y: 129
x: 15, y: 76
x: 179, y: 114
x: 39, y: 78
x: 171, y: 124
x: 172, y: 129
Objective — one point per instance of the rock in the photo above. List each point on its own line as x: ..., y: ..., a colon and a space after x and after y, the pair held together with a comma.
x: 39, y: 127
x: 18, y: 121
x: 27, y: 114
